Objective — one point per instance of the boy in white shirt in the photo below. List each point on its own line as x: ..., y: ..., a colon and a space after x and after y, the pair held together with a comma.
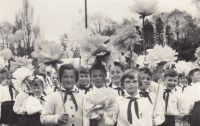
x: 150, y: 96
x: 172, y: 102
x: 35, y: 103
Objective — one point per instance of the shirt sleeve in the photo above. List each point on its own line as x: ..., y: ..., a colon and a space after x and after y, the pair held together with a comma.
x: 181, y: 105
x: 86, y: 120
x: 33, y: 105
x: 47, y: 117
x: 159, y: 115
x: 18, y: 108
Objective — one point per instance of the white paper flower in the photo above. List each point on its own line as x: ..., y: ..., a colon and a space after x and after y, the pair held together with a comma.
x: 94, y: 50
x: 159, y: 54
x: 21, y: 61
x: 51, y: 54
x: 144, y: 7
x: 183, y: 67
x: 74, y: 61
x: 124, y: 38
x: 76, y: 36
x: 95, y: 102
x: 20, y: 74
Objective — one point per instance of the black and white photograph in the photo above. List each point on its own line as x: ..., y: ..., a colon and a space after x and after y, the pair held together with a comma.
x: 99, y: 62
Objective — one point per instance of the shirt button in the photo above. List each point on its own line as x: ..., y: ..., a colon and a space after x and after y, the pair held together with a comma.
x: 73, y: 116
x: 73, y: 124
x: 70, y: 99
x: 71, y: 107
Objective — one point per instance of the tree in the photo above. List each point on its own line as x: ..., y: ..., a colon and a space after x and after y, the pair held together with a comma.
x: 169, y: 35
x: 63, y: 40
x: 24, y: 21
x: 159, y: 31
x: 5, y: 31
x: 148, y: 34
x: 101, y: 24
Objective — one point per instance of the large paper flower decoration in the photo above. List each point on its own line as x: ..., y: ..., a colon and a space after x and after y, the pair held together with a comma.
x: 51, y: 54
x: 74, y: 61
x: 94, y: 50
x: 144, y: 7
x: 159, y: 54
x: 19, y: 75
x: 76, y: 36
x: 183, y: 67
x: 125, y: 38
x: 21, y: 61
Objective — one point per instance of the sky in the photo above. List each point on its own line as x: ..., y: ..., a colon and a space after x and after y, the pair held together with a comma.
x: 56, y: 17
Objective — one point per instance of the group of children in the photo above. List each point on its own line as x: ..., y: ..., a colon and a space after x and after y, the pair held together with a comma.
x: 173, y: 101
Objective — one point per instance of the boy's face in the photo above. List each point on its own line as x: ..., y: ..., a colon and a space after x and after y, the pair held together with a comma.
x: 37, y: 90
x: 68, y: 79
x: 84, y: 79
x: 115, y: 74
x: 171, y: 82
x: 131, y: 85
x: 54, y: 79
x: 146, y: 81
x: 182, y: 80
x: 196, y: 77
x: 97, y: 78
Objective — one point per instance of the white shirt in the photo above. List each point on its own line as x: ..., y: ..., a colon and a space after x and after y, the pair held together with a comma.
x: 82, y: 91
x: 116, y: 90
x: 145, y: 118
x: 20, y: 103
x: 159, y: 111
x: 176, y: 103
x: 34, y: 105
x: 54, y: 108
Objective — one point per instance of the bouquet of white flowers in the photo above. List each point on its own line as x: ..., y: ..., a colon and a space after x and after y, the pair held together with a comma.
x: 101, y: 107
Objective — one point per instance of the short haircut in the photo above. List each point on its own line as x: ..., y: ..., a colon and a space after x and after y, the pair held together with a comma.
x: 98, y: 66
x: 119, y: 65
x: 191, y: 73
x: 37, y: 83
x: 181, y: 75
x: 131, y: 74
x: 83, y: 70
x: 145, y: 70
x: 67, y: 67
x: 170, y: 73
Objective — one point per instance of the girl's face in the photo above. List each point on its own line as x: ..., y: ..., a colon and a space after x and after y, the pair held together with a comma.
x: 182, y: 80
x: 84, y: 79
x: 115, y: 74
x: 97, y: 78
x: 54, y: 79
x: 146, y: 81
x: 68, y: 79
x: 131, y: 85
x: 37, y: 90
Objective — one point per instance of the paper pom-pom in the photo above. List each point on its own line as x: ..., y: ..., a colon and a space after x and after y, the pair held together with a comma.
x: 125, y: 37
x: 159, y: 54
x: 184, y: 67
x: 76, y: 36
x: 51, y: 54
x: 21, y: 61
x: 144, y: 7
x: 20, y: 74
x: 94, y: 50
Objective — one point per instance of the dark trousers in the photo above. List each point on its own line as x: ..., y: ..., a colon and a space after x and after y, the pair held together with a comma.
x: 23, y: 120
x: 169, y: 121
x: 195, y: 118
